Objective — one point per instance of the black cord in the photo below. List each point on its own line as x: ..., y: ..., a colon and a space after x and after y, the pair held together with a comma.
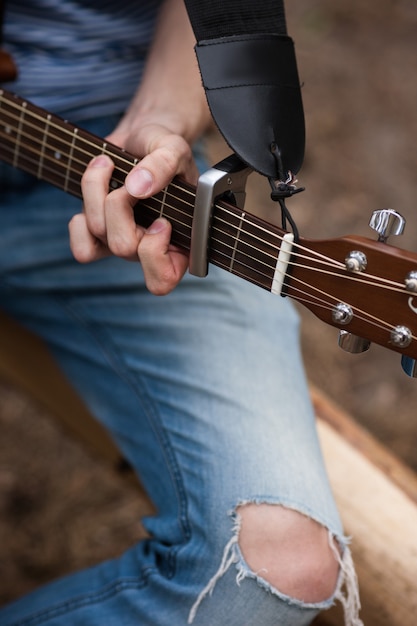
x: 283, y: 187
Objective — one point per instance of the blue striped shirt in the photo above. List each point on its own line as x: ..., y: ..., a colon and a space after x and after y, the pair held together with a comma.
x: 79, y: 58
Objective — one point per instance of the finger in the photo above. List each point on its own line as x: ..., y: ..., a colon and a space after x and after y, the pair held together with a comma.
x: 84, y: 246
x: 95, y: 188
x: 163, y: 264
x: 123, y: 234
x: 159, y: 167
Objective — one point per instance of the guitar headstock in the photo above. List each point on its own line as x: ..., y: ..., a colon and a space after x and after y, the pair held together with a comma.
x: 367, y: 289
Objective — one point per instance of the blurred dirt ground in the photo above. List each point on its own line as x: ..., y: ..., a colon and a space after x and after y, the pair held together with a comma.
x: 59, y: 508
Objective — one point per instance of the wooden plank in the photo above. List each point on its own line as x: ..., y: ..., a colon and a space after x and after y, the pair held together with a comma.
x: 377, y: 496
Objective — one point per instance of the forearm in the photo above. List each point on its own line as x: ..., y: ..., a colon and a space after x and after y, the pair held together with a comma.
x: 168, y: 112
x: 171, y: 92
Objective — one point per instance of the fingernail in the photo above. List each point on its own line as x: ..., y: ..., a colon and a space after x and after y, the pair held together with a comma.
x: 156, y: 227
x: 139, y: 183
x: 100, y: 161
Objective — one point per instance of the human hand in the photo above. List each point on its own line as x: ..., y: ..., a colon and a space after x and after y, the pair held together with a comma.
x: 107, y: 226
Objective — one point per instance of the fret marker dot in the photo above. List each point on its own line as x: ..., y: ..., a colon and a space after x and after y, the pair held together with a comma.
x: 57, y: 156
x: 8, y: 130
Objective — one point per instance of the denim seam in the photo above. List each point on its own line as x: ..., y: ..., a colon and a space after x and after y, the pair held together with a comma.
x: 81, y: 601
x: 116, y: 361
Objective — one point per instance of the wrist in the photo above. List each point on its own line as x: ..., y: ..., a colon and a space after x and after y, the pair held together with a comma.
x: 189, y: 122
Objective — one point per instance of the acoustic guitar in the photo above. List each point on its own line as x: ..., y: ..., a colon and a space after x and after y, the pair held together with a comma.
x: 365, y: 288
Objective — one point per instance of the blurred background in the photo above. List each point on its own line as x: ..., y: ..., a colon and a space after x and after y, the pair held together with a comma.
x: 60, y: 509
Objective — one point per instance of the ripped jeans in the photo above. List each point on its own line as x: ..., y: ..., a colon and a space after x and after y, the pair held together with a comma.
x: 204, y: 392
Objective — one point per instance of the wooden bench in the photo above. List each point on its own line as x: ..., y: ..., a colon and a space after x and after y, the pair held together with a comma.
x: 375, y: 491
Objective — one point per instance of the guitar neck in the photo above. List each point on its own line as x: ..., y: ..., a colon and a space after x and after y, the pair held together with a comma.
x: 58, y: 152
x: 378, y: 303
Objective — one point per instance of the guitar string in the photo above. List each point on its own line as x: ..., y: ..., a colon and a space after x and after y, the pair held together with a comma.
x: 66, y: 128
x: 313, y: 269
x: 358, y: 312
x: 66, y: 131
x: 313, y: 299
x: 319, y: 258
x: 323, y: 257
x: 318, y: 300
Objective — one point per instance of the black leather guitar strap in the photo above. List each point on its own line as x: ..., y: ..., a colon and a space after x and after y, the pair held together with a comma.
x: 249, y: 73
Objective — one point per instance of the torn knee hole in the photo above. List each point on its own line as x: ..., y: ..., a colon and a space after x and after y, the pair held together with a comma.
x: 293, y: 554
x: 289, y: 550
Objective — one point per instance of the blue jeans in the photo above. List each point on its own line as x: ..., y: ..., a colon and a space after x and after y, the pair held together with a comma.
x: 203, y: 391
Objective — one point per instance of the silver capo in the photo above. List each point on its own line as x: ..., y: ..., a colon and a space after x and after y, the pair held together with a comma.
x: 226, y: 179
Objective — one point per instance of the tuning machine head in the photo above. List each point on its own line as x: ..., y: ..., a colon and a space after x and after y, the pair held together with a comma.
x: 409, y: 366
x: 352, y: 343
x: 387, y: 222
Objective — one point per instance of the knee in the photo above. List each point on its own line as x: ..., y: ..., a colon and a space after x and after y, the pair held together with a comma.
x: 289, y: 550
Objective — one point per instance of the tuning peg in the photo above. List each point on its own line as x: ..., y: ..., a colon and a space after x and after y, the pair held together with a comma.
x: 387, y: 222
x: 352, y: 343
x: 409, y: 366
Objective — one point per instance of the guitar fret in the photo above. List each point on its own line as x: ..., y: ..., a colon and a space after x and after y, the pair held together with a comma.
x: 70, y: 157
x: 43, y: 146
x: 19, y: 134
x: 244, y: 252
x: 181, y: 219
x: 163, y: 201
x: 56, y: 159
x: 243, y: 263
x: 240, y: 268
x: 236, y: 238
x: 7, y: 144
x: 236, y: 242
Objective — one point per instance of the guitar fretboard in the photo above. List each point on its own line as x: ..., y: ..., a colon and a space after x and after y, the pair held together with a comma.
x: 58, y: 152
x: 377, y: 301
